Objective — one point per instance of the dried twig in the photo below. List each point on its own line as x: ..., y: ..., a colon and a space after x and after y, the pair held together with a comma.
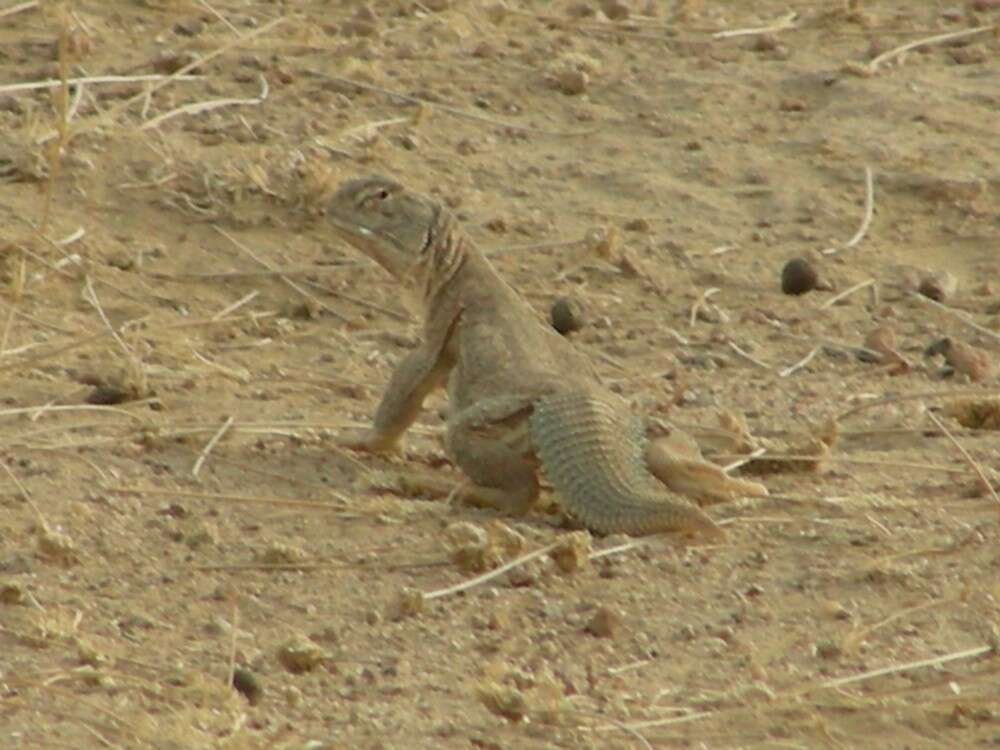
x: 197, y: 107
x: 31, y: 4
x: 236, y: 305
x: 846, y: 293
x: 50, y: 83
x: 786, y: 21
x: 896, y: 51
x: 965, y: 454
x: 211, y: 444
x: 490, y: 575
x: 24, y: 493
x: 866, y: 219
x: 906, y: 667
x: 800, y: 364
x: 957, y: 314
x: 112, y: 113
x: 91, y: 296
x: 234, y: 626
x: 701, y: 302
x: 829, y: 684
x: 915, y: 397
x: 749, y: 357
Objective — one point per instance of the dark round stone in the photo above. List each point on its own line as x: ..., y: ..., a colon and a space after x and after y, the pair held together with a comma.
x: 799, y: 276
x: 566, y: 315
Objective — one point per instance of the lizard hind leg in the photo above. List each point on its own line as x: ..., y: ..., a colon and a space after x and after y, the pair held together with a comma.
x: 490, y: 443
x: 593, y: 452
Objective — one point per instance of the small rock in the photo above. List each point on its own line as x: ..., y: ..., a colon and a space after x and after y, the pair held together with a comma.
x: 605, y: 623
x: 800, y: 276
x: 364, y: 22
x: 505, y: 538
x: 503, y: 700
x: 827, y: 649
x: 246, y: 682
x: 524, y: 575
x: 764, y: 43
x: 190, y: 27
x: 409, y: 142
x: 615, y: 10
x: 638, y: 225
x: 12, y: 592
x: 963, y: 358
x: 571, y: 82
x: 470, y: 547
x: 971, y: 55
x: 408, y: 602
x: 496, y: 12
x: 602, y: 241
x: 168, y: 62
x: 10, y: 104
x: 56, y: 546
x: 580, y: 10
x: 484, y: 50
x: 566, y: 315
x: 108, y: 395
x: 573, y: 552
x: 792, y: 105
x: 279, y: 553
x: 938, y: 286
x: 299, y: 655
x: 883, y: 341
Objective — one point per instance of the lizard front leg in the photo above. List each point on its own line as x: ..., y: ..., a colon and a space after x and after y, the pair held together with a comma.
x: 415, y: 377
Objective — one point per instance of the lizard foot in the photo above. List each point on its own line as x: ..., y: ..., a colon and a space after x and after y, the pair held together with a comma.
x: 365, y: 440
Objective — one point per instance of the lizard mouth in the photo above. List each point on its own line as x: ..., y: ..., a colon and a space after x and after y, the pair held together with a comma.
x: 368, y: 242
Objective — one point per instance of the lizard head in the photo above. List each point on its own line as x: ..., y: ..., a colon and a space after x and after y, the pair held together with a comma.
x: 387, y: 222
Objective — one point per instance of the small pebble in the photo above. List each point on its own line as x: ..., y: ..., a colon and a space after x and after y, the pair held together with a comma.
x: 963, y: 358
x: 827, y: 649
x: 605, y: 623
x: 408, y: 602
x: 938, y: 286
x: 299, y: 654
x: 566, y: 315
x: 246, y: 682
x: 108, y: 395
x: 190, y: 27
x: 572, y: 82
x: 580, y: 10
x: 800, y: 276
x: 573, y: 551
x: 615, y: 10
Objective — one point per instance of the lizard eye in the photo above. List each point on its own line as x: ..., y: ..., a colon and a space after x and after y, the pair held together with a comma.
x: 375, y: 197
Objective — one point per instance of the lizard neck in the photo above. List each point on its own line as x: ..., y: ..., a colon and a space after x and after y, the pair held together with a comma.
x: 449, y: 249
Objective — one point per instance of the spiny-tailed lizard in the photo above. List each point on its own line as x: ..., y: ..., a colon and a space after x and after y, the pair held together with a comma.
x: 521, y: 396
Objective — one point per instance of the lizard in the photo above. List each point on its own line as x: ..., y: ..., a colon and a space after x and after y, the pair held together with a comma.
x: 523, y: 400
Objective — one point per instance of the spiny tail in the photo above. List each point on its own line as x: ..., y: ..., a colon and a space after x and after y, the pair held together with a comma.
x: 593, y: 452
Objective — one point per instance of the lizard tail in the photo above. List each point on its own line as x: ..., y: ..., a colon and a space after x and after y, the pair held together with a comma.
x: 593, y: 452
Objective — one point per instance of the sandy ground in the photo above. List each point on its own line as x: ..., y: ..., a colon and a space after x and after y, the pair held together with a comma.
x: 172, y: 503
